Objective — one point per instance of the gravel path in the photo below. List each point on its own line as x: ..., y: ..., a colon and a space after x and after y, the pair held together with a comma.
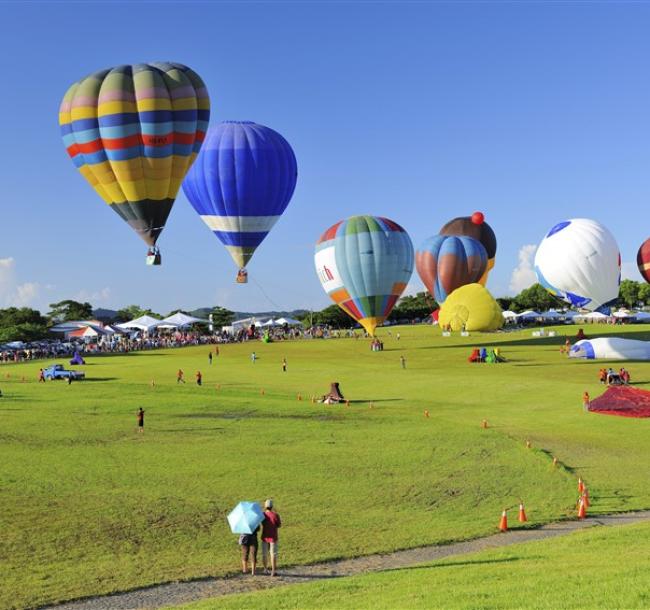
x: 160, y: 596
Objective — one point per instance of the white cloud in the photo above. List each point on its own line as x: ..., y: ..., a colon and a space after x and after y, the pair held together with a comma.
x: 13, y: 294
x: 93, y: 296
x: 523, y: 275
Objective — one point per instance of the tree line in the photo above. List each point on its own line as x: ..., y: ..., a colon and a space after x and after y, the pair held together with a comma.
x: 26, y: 324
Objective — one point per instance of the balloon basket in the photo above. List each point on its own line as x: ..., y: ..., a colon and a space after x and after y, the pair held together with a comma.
x: 153, y: 257
x: 242, y: 276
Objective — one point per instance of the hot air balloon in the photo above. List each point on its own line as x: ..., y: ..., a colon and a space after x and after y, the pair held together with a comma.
x: 364, y: 264
x: 579, y: 261
x: 446, y: 262
x: 241, y: 183
x: 470, y: 307
x: 475, y: 226
x: 133, y: 132
x: 643, y: 260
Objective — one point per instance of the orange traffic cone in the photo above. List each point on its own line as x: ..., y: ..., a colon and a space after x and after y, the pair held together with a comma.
x: 585, y: 498
x: 299, y: 396
x: 347, y: 403
x: 582, y: 510
x: 484, y: 424
x: 153, y: 383
x: 503, y: 524
x: 426, y: 413
x: 528, y: 445
x: 522, y: 513
x: 581, y: 485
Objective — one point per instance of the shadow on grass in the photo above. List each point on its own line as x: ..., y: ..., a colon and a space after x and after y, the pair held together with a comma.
x: 99, y: 379
x: 453, y: 564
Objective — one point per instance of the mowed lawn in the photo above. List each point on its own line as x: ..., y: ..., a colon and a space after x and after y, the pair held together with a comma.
x: 599, y: 568
x: 89, y: 506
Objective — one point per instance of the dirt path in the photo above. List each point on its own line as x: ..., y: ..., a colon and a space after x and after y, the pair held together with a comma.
x: 160, y: 596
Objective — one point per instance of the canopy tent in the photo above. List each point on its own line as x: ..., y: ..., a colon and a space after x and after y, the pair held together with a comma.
x: 86, y: 331
x: 623, y: 313
x: 146, y: 323
x: 592, y: 315
x: 509, y: 315
x: 529, y: 315
x: 65, y: 327
x: 551, y: 314
x: 270, y: 322
x: 180, y: 320
x: 569, y: 314
x: 289, y: 321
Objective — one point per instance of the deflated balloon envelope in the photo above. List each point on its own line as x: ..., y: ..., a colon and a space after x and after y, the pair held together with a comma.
x: 364, y: 264
x: 133, y: 131
x: 471, y: 308
x: 445, y: 263
x: 578, y: 260
x: 241, y: 184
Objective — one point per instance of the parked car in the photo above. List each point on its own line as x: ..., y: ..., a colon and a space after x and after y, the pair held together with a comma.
x: 58, y: 371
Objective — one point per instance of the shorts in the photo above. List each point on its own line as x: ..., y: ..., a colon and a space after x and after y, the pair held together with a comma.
x: 247, y: 549
x: 269, y: 546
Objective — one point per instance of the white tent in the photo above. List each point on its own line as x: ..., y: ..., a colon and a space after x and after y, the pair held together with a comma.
x: 529, y: 314
x: 146, y: 323
x: 509, y: 315
x: 270, y: 322
x: 289, y: 321
x: 551, y: 314
x: 592, y: 315
x: 180, y: 320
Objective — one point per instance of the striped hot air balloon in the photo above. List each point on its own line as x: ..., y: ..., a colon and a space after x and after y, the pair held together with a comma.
x: 241, y: 184
x: 133, y: 131
x: 643, y: 260
x: 447, y: 262
x: 364, y: 264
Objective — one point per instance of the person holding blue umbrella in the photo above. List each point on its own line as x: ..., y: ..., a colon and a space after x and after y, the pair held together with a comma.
x: 245, y: 519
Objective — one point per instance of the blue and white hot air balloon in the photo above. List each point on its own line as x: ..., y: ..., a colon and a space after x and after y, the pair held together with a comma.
x: 240, y: 184
x: 579, y: 262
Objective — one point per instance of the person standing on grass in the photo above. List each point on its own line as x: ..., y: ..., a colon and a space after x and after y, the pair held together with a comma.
x: 402, y: 361
x: 248, y: 543
x: 209, y: 357
x: 41, y: 376
x: 284, y: 365
x: 253, y: 357
x: 180, y: 376
x: 140, y: 416
x: 199, y: 378
x: 270, y: 527
x: 216, y: 350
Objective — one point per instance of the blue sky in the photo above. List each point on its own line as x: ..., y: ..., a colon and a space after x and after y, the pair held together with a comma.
x: 530, y: 112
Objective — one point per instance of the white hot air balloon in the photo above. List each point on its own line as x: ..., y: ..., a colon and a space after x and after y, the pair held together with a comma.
x: 579, y: 262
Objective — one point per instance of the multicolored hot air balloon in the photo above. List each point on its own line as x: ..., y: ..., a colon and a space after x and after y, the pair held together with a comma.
x: 579, y: 262
x: 241, y: 184
x: 643, y: 260
x: 475, y: 226
x: 364, y: 264
x: 133, y: 132
x: 446, y: 262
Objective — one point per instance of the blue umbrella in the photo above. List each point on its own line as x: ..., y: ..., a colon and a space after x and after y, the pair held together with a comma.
x: 245, y: 517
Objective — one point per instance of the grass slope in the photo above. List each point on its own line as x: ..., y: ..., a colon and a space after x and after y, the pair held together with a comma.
x: 88, y: 506
x: 601, y: 568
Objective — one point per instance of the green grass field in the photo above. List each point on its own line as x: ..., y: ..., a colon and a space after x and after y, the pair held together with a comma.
x: 602, y: 568
x: 89, y: 506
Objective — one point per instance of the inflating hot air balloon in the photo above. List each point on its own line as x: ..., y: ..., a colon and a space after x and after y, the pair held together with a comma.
x: 364, y: 264
x: 643, y: 260
x: 579, y: 261
x: 133, y: 132
x: 446, y: 262
x: 471, y: 308
x: 241, y: 183
x: 475, y: 226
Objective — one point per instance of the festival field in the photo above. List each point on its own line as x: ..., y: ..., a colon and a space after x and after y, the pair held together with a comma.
x: 89, y: 506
